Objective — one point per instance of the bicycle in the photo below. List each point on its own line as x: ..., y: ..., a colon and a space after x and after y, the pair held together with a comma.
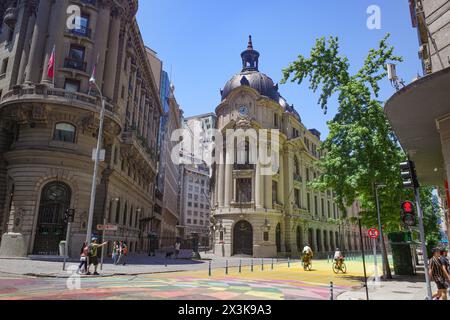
x: 339, y: 267
x: 307, y: 264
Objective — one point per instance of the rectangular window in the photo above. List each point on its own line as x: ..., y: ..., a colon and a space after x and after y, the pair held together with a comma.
x: 275, y: 120
x: 316, y: 211
x: 72, y: 85
x: 243, y: 190
x: 308, y: 198
x: 297, y: 197
x: 64, y: 132
x: 4, y: 66
x: 274, y: 191
x: 322, y: 206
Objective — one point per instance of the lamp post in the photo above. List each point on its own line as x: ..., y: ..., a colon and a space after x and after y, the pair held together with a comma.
x: 386, y: 273
x: 96, y: 162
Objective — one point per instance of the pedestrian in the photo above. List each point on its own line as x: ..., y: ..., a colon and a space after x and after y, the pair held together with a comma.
x: 93, y: 258
x: 439, y: 275
x: 177, y: 248
x: 83, y: 258
x: 444, y: 260
x: 124, y: 252
x: 115, y: 252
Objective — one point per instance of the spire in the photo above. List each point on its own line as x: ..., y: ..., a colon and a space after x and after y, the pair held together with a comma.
x: 250, y: 43
x: 250, y: 57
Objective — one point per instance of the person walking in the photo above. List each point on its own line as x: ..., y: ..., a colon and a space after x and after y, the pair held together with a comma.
x: 177, y: 248
x: 83, y: 258
x: 439, y: 275
x: 93, y: 258
x: 115, y: 252
x: 124, y: 253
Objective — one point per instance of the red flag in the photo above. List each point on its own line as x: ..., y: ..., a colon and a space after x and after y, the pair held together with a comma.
x: 51, y: 65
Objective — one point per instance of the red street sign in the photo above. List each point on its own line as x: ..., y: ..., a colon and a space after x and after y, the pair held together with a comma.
x: 107, y: 227
x: 374, y: 233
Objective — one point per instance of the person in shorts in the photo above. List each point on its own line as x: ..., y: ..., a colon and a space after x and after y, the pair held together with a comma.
x: 439, y: 275
x: 93, y: 257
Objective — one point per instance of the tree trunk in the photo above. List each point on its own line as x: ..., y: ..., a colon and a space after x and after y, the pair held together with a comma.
x: 387, y: 271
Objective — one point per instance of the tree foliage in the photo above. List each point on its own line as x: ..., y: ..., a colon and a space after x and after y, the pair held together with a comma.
x: 361, y: 149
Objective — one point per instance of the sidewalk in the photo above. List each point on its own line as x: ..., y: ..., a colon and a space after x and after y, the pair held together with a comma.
x: 136, y: 265
x: 399, y: 288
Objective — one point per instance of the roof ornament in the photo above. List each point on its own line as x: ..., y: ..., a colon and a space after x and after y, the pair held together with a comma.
x: 250, y: 43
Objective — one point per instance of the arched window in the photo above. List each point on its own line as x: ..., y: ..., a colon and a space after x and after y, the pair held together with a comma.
x: 64, y: 132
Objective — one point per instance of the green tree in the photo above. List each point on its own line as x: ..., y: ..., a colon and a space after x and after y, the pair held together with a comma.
x: 361, y: 150
x: 431, y: 213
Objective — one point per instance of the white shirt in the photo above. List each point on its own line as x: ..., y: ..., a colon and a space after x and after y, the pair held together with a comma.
x: 177, y: 246
x: 337, y: 255
x: 307, y: 249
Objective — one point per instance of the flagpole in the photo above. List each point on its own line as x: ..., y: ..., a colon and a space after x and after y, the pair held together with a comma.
x: 54, y: 64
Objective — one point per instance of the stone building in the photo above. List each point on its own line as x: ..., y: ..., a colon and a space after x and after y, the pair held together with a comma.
x: 272, y: 215
x: 169, y: 175
x: 420, y: 112
x: 49, y: 127
x: 195, y: 202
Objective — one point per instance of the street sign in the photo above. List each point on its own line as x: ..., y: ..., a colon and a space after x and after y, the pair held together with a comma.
x: 373, y: 233
x: 107, y: 227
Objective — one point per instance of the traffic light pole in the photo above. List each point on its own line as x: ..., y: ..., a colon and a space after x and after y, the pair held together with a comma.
x: 424, y: 247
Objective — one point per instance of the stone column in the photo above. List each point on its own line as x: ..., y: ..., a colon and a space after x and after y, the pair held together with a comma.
x: 314, y: 238
x: 221, y: 181
x: 258, y: 186
x: 55, y: 40
x: 109, y: 77
x: 26, y: 49
x: 280, y: 191
x: 38, y: 42
x: 228, y: 177
x: 288, y: 181
x: 101, y: 42
x: 268, y: 192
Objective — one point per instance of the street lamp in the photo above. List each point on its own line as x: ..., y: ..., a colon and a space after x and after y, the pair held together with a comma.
x: 96, y: 162
x: 383, y: 253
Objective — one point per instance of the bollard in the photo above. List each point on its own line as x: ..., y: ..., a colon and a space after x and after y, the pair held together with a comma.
x: 252, y: 266
x: 272, y: 264
x: 289, y: 262
x: 331, y: 291
x: 240, y: 266
x: 226, y: 268
x: 209, y: 269
x: 262, y: 264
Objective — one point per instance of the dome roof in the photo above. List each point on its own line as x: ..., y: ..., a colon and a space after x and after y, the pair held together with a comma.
x: 253, y: 79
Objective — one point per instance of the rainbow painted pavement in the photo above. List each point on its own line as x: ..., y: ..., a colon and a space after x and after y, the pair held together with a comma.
x: 281, y: 283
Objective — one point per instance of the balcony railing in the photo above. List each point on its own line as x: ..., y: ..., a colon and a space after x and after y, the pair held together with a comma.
x: 244, y: 166
x: 75, y: 64
x: 82, y: 31
x: 91, y: 2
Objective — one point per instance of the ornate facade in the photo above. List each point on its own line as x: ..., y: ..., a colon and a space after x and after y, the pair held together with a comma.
x: 49, y: 127
x: 272, y: 215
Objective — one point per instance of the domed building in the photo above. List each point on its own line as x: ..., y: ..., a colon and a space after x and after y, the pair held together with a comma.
x: 272, y: 215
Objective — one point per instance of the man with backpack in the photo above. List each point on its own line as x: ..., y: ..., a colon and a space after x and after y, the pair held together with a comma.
x: 92, y: 255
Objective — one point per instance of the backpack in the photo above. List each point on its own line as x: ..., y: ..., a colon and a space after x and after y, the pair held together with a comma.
x: 125, y: 250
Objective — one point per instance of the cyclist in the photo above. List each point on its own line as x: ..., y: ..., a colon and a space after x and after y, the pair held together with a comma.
x: 338, y: 257
x: 307, y: 253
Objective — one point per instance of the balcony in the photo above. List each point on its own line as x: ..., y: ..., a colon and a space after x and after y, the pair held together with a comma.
x: 58, y: 96
x: 244, y: 166
x: 81, y: 32
x: 71, y: 63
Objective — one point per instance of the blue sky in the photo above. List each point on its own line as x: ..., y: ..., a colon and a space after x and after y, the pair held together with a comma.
x: 201, y: 42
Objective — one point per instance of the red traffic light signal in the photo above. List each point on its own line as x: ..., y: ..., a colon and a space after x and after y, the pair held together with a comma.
x: 408, y: 207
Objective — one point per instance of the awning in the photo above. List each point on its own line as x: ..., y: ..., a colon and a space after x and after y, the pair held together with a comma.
x: 413, y: 112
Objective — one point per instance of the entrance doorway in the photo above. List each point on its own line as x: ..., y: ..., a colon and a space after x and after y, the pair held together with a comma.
x: 243, y: 238
x: 51, y: 229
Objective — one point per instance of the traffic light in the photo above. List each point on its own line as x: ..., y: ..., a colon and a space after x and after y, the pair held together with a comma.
x: 409, y: 175
x: 69, y: 216
x: 408, y: 213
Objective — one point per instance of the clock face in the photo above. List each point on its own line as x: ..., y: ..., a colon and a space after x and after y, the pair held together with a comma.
x: 243, y: 111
